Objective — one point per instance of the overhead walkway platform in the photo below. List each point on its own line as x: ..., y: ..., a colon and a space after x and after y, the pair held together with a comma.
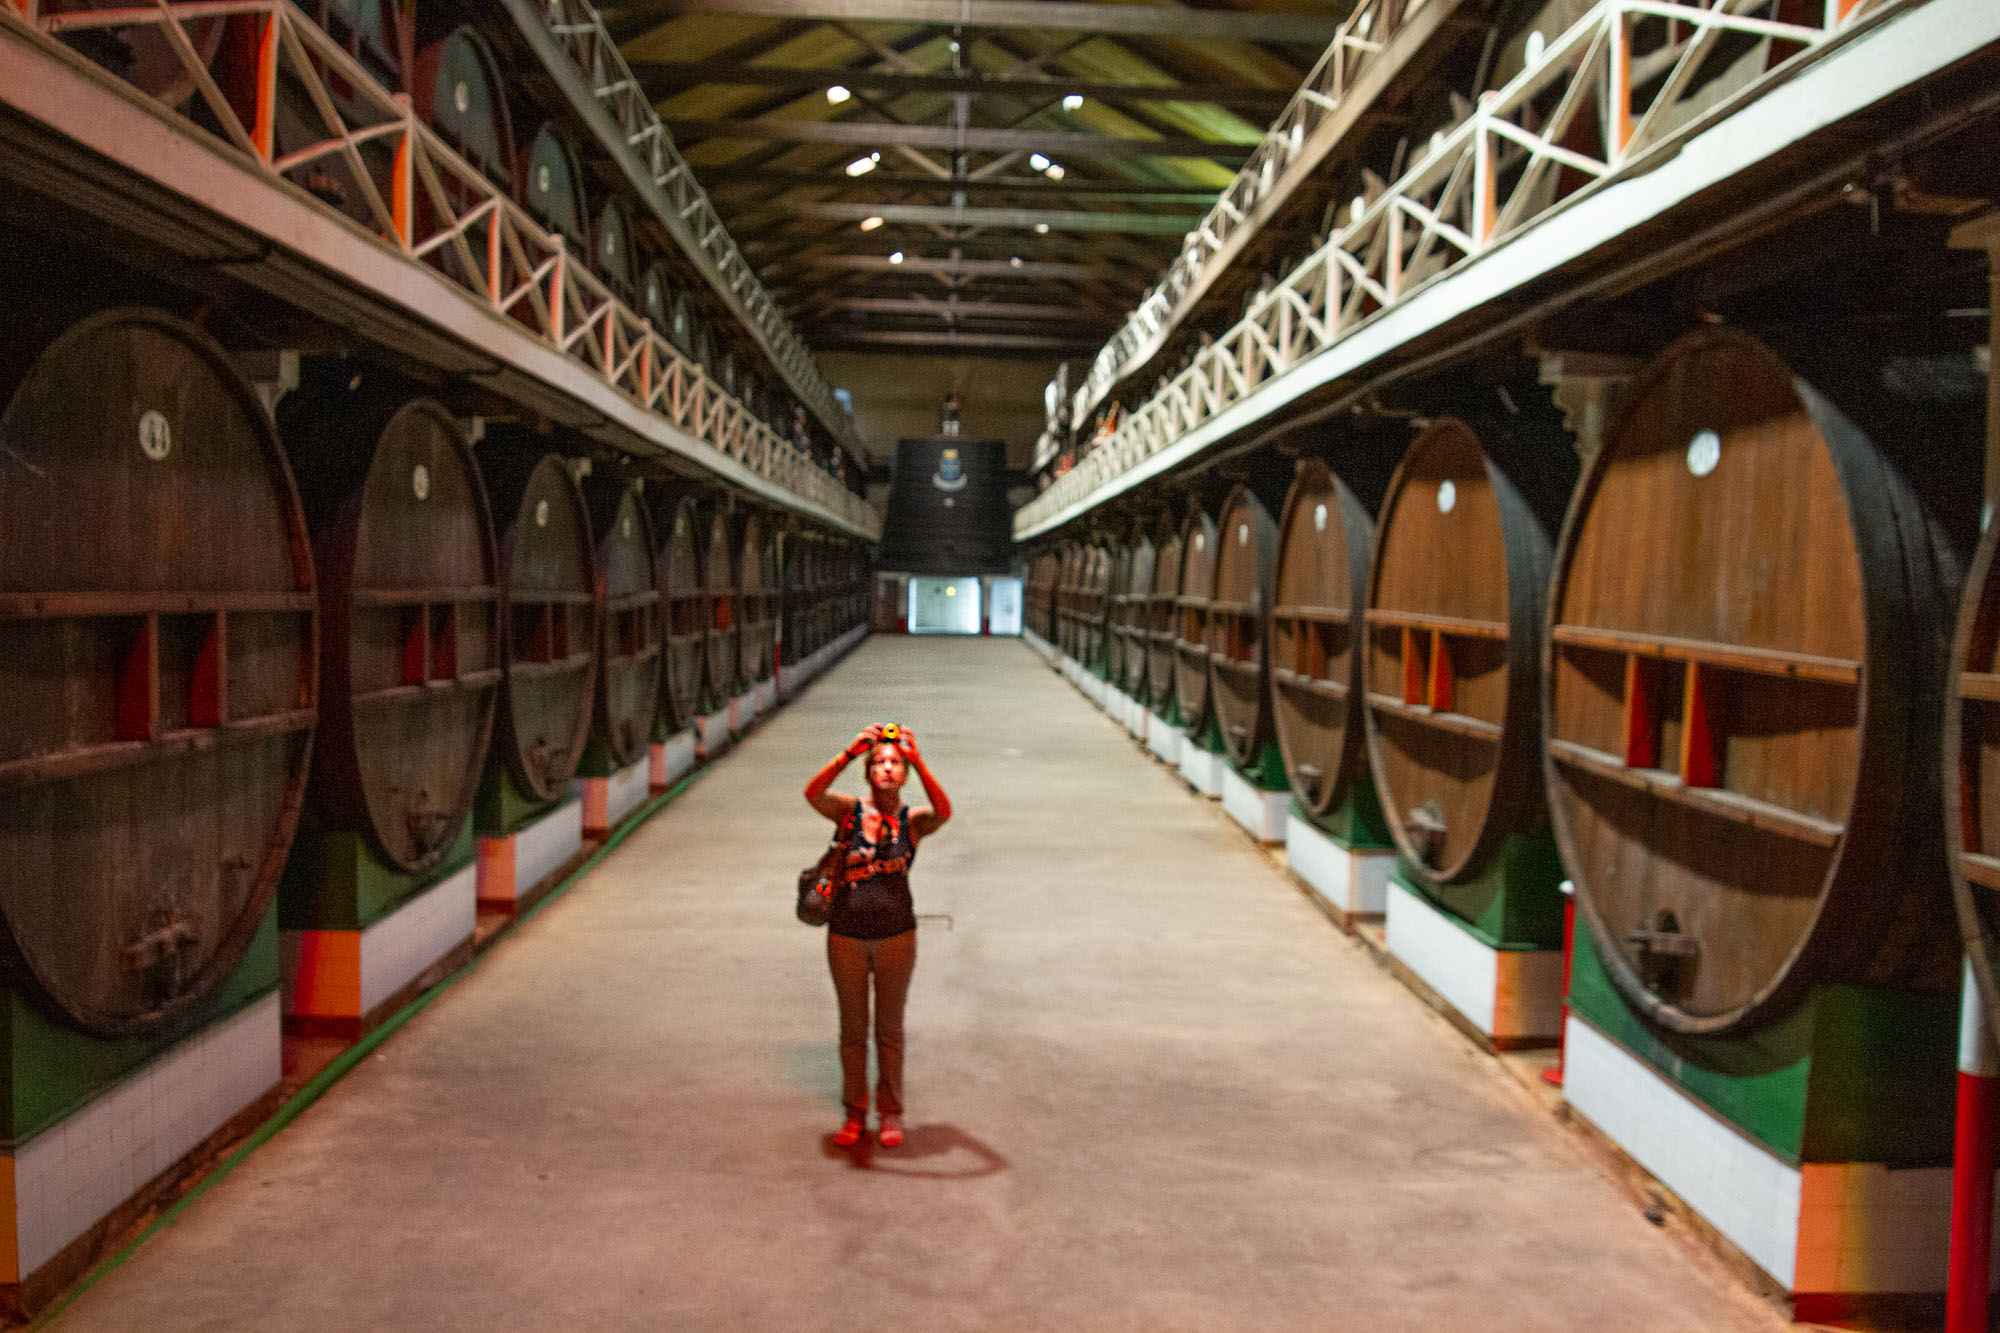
x: 1149, y: 1086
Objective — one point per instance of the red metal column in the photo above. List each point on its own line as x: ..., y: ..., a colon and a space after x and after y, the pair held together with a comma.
x: 1973, y: 1163
x: 1555, y: 1075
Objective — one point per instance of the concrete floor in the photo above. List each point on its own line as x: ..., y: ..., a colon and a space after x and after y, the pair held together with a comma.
x: 1150, y: 1087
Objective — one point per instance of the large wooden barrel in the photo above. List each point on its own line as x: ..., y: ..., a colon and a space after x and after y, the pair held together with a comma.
x: 1972, y: 769
x: 143, y: 54
x: 628, y: 607
x: 371, y: 32
x: 1093, y: 604
x: 718, y: 577
x: 1191, y: 595
x: 1163, y: 616
x: 1325, y: 539
x: 616, y: 258
x: 1239, y: 662
x: 548, y: 571
x: 1746, y: 696
x: 1069, y: 574
x: 157, y: 648
x: 552, y: 188
x: 685, y: 598
x: 457, y: 89
x: 409, y: 595
x: 1453, y: 664
x: 1131, y: 609
x: 757, y: 599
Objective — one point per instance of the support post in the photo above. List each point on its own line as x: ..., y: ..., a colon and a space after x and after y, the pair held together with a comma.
x: 1973, y: 1162
x: 1554, y: 1076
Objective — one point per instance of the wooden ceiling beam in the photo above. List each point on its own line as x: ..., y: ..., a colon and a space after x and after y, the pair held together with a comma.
x: 663, y: 79
x: 879, y: 134
x: 1314, y: 30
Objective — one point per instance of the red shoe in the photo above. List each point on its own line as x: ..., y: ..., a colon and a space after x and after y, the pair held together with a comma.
x: 892, y: 1131
x: 849, y: 1133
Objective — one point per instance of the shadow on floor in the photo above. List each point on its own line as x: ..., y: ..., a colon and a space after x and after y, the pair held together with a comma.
x: 920, y: 1142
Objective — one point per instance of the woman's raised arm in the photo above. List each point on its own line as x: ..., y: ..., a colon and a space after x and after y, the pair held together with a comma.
x: 835, y: 804
x: 930, y: 818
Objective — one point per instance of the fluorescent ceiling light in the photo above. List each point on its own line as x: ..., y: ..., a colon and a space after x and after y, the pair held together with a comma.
x: 896, y: 258
x: 861, y: 166
x: 1073, y: 102
x: 1038, y: 162
x: 870, y: 224
x: 837, y: 94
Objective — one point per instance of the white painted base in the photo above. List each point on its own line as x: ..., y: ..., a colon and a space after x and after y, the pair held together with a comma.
x: 66, y: 1178
x: 510, y: 866
x: 1839, y: 1228
x: 1201, y: 769
x: 1508, y: 994
x: 711, y: 734
x: 1164, y: 740
x: 766, y: 693
x: 1355, y: 880
x: 668, y: 761
x: 606, y: 801
x: 1116, y: 704
x: 1263, y: 813
x: 1135, y: 718
x: 1039, y: 644
x: 347, y: 974
x: 743, y: 710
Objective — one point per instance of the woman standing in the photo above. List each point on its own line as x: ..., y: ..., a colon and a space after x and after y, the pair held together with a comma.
x: 873, y: 932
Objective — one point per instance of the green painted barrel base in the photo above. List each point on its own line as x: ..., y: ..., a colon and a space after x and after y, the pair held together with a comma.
x: 1268, y: 773
x: 502, y: 808
x: 52, y: 1069
x: 1852, y: 1074
x: 1357, y: 824
x: 1210, y: 739
x: 333, y: 881
x: 599, y: 762
x: 1171, y: 714
x: 1514, y: 903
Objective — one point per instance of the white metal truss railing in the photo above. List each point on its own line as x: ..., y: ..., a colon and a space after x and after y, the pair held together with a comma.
x: 440, y: 211
x: 577, y: 25
x: 1360, y: 39
x: 1571, y: 112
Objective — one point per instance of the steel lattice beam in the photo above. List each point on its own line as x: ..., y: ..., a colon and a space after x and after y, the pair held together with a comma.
x: 880, y: 134
x: 1044, y: 15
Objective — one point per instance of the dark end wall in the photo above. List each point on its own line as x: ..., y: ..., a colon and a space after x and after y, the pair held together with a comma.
x: 899, y: 396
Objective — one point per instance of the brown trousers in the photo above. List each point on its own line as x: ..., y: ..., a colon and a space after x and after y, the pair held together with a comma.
x: 890, y: 961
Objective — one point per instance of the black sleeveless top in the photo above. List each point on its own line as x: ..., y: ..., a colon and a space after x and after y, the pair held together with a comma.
x: 875, y: 903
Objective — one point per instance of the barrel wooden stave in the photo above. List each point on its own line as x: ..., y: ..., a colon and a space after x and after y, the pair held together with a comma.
x: 159, y: 669
x: 1192, y: 593
x: 1163, y: 616
x: 1781, y: 708
x: 1238, y: 642
x: 719, y: 579
x: 685, y: 599
x: 1326, y: 539
x: 630, y: 647
x: 410, y: 603
x: 550, y: 629
x: 757, y: 590
x: 1451, y: 667
x: 1137, y: 606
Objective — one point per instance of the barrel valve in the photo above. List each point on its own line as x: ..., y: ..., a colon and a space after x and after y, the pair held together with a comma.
x: 1427, y: 829
x: 1665, y: 953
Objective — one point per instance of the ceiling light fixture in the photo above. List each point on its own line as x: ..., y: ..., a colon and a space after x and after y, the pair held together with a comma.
x: 1041, y: 229
x: 861, y: 166
x: 837, y: 94
x: 1038, y: 162
x: 1073, y: 102
x: 896, y: 258
x: 870, y: 224
x: 1015, y: 262
x: 1055, y: 171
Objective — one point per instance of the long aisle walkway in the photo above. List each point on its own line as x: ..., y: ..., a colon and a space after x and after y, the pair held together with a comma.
x: 1150, y: 1087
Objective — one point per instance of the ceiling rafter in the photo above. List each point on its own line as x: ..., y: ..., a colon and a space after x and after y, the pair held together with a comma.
x: 634, y: 19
